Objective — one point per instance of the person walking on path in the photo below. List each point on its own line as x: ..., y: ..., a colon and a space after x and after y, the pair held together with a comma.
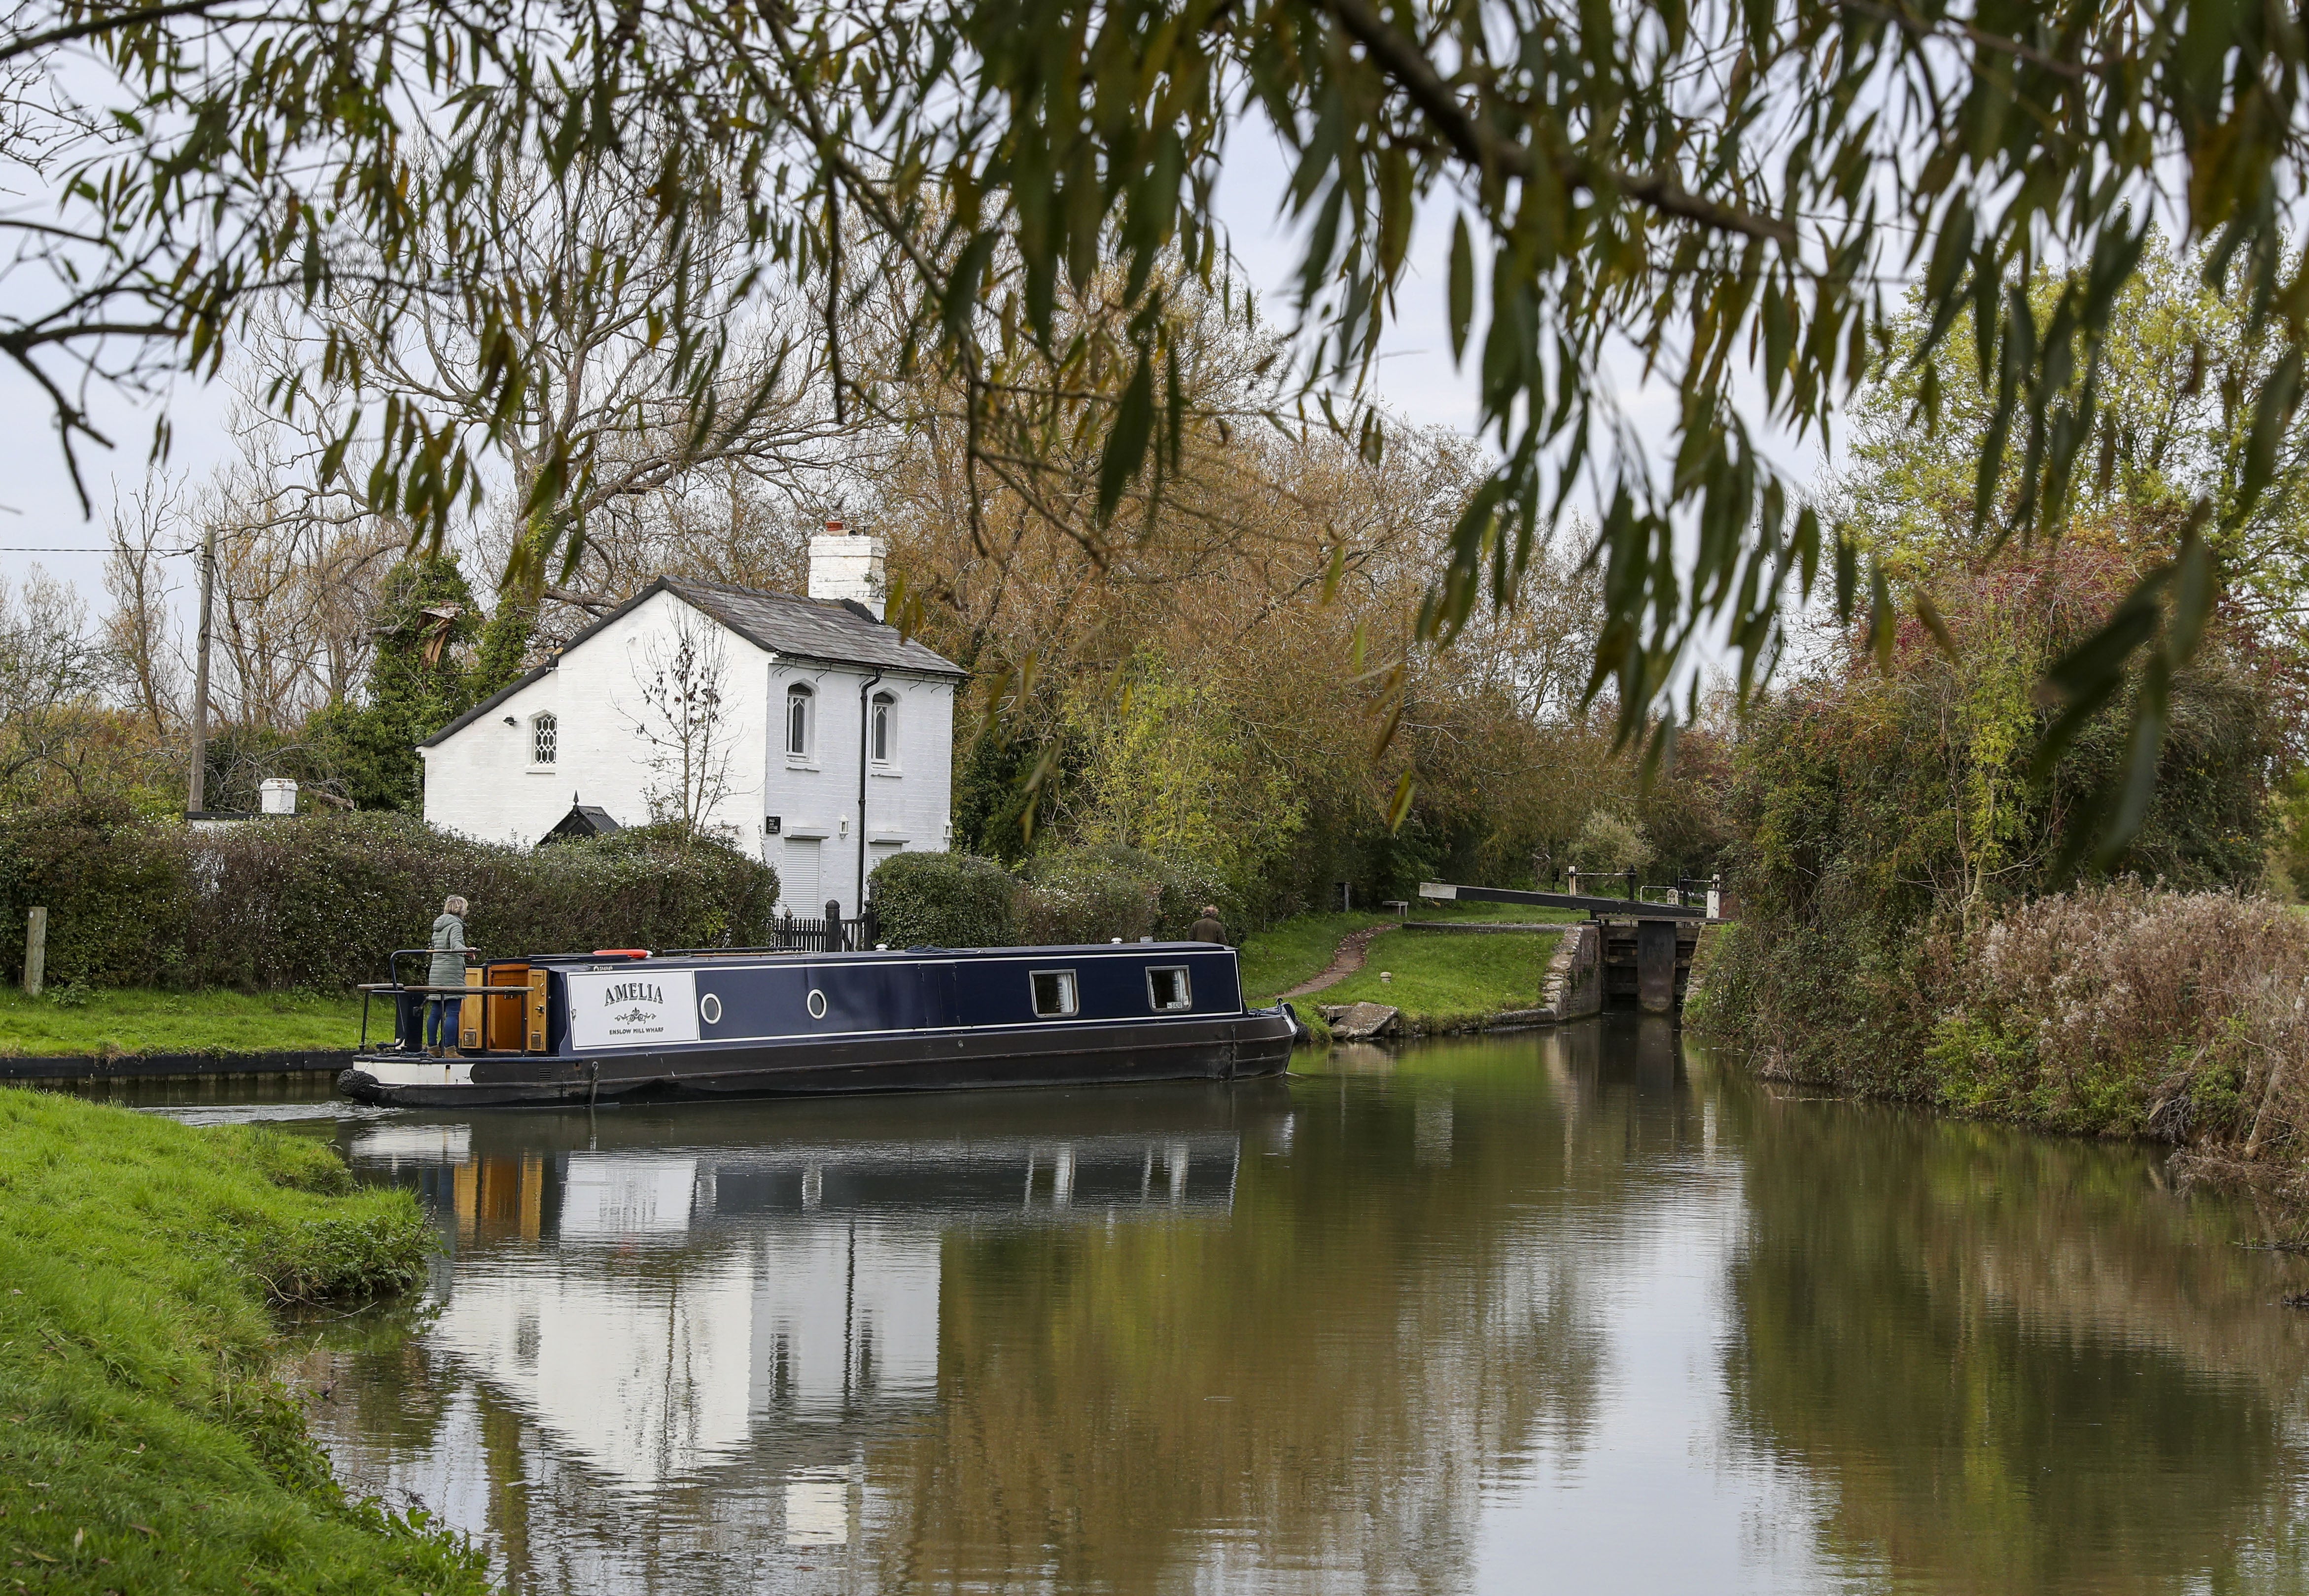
x: 449, y: 970
x: 1209, y: 928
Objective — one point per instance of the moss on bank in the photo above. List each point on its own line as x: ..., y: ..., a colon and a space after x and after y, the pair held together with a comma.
x: 143, y: 1442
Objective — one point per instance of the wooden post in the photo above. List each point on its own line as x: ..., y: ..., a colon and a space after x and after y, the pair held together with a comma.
x: 196, y: 789
x: 1655, y: 966
x: 35, y: 952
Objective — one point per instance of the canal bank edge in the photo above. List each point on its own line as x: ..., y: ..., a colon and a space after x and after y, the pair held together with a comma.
x: 144, y: 1443
x: 132, y: 1066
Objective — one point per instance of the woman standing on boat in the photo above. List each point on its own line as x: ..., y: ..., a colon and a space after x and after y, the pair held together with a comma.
x: 449, y: 970
x: 1209, y: 928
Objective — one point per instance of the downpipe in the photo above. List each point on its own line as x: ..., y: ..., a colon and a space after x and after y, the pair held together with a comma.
x: 865, y: 749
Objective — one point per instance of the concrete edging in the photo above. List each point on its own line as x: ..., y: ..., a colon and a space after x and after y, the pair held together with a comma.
x: 129, y: 1066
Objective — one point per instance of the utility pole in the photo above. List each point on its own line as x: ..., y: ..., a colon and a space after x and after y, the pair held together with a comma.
x: 194, y: 801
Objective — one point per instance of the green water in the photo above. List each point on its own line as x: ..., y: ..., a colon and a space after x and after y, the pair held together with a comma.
x: 1555, y: 1312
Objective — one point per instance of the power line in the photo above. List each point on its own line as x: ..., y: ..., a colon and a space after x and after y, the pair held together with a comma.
x: 166, y: 554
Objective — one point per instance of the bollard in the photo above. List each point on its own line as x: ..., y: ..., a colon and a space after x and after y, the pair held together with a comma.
x: 35, y: 952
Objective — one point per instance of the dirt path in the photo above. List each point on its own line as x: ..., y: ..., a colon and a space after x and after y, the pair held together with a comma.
x: 1344, y: 963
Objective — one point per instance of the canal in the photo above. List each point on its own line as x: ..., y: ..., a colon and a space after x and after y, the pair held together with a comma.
x: 1578, y: 1311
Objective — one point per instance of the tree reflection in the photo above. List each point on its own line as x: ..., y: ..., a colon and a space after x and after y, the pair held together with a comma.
x: 2016, y: 1363
x: 1326, y: 1378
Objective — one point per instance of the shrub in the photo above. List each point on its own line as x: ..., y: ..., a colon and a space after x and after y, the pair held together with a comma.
x: 1888, y: 820
x: 1611, y: 843
x: 322, y: 901
x: 945, y: 899
x: 1095, y: 894
x: 2119, y: 1010
x: 1085, y: 895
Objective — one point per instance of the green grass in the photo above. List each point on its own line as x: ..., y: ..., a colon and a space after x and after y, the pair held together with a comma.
x: 1282, y: 956
x: 109, y: 1023
x: 1512, y: 913
x: 1442, y: 979
x: 143, y: 1444
x: 1279, y: 957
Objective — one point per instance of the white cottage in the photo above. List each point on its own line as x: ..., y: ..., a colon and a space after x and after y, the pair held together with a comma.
x: 831, y: 745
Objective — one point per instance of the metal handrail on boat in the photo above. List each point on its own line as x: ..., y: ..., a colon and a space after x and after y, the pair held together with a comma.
x: 400, y: 988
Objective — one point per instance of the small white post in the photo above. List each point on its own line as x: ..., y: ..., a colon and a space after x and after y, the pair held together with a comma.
x: 35, y: 952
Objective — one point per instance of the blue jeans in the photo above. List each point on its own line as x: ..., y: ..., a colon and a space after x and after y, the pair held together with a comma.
x: 441, y: 1021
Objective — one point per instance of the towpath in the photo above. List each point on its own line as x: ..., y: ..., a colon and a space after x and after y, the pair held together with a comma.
x: 1344, y: 963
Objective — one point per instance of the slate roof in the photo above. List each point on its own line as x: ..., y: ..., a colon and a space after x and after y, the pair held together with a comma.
x: 835, y: 632
x: 818, y: 631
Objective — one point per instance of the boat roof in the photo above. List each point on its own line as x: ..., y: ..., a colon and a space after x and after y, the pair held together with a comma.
x: 698, y: 956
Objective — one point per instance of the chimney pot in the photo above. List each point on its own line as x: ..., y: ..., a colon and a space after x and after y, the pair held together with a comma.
x: 834, y: 527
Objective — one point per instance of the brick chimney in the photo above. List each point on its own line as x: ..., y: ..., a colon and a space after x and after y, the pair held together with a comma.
x: 846, y: 565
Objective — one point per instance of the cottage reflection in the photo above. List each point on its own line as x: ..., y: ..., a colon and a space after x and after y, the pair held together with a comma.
x: 662, y: 1314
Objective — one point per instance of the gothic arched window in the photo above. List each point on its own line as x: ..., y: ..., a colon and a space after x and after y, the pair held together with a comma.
x: 798, y: 721
x: 885, y: 710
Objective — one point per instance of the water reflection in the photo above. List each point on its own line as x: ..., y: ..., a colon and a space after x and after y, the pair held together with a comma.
x: 1571, y: 1310
x: 2017, y: 1364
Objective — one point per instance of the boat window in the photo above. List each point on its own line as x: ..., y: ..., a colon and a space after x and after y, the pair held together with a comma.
x: 1167, y: 990
x: 1054, y: 994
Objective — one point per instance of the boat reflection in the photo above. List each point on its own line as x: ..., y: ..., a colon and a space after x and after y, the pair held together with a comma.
x: 659, y: 1310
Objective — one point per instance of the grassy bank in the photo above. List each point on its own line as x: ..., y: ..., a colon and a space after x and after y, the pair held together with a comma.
x: 143, y: 1445
x: 1443, y: 982
x: 1282, y: 956
x: 107, y: 1023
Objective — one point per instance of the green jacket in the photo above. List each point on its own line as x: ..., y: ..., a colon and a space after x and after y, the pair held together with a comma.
x: 448, y: 953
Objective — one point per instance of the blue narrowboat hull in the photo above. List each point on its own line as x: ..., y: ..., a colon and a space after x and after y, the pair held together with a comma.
x: 927, y: 1019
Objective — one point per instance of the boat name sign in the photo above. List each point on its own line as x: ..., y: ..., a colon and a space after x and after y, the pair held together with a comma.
x: 624, y: 1009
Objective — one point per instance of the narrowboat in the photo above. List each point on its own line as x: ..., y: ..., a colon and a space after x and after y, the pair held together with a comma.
x: 626, y: 1023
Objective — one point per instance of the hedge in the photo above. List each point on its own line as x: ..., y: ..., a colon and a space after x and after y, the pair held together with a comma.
x: 321, y: 901
x: 1096, y: 895
x: 956, y: 899
x: 944, y: 900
